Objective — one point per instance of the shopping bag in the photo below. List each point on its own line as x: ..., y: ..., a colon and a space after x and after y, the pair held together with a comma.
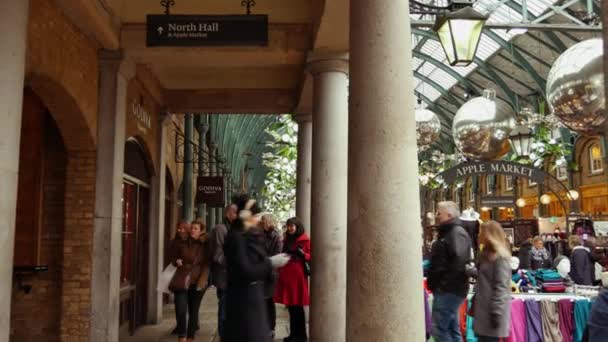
x: 165, y: 279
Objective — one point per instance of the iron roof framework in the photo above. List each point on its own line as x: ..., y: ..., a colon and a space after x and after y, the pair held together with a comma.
x: 520, y: 42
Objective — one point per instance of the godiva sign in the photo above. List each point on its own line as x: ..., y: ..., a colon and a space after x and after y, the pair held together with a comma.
x: 142, y: 116
x: 492, y: 167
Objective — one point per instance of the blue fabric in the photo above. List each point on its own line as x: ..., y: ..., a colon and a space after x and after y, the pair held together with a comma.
x: 470, y: 333
x: 546, y: 275
x: 534, y: 328
x: 446, y: 323
x: 598, y: 328
x: 581, y: 316
x: 221, y: 311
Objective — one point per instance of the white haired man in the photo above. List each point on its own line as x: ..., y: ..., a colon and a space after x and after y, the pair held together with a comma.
x: 448, y: 277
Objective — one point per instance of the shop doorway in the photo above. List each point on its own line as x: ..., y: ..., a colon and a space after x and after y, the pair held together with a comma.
x: 39, y: 226
x: 135, y: 237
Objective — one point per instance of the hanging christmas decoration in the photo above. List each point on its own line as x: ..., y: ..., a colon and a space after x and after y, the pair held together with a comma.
x: 428, y: 127
x: 575, y: 87
x: 482, y: 126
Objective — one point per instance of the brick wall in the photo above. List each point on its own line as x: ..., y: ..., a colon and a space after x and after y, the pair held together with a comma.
x: 77, y: 246
x: 36, y: 316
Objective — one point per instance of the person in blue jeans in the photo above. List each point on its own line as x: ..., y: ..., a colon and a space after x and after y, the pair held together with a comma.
x: 447, y: 276
x: 218, y: 273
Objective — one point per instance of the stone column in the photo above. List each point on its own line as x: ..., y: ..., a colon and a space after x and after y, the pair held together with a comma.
x: 202, y: 131
x: 212, y: 165
x: 304, y: 169
x: 218, y: 173
x: 13, y: 41
x: 114, y: 76
x: 329, y: 204
x: 187, y: 211
x: 157, y: 223
x: 384, y: 301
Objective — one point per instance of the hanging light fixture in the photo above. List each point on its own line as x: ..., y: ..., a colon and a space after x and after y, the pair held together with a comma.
x: 459, y: 33
x: 545, y: 199
x: 520, y: 202
x: 521, y: 140
x: 573, y: 195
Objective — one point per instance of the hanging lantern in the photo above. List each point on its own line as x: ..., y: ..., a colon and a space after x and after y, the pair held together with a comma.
x: 573, y: 195
x: 575, y: 87
x: 459, y: 33
x: 520, y: 202
x: 482, y: 126
x: 521, y: 140
x: 545, y: 199
x: 428, y: 127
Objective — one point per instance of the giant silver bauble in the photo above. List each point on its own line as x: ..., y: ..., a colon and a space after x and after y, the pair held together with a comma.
x: 575, y: 87
x: 428, y: 127
x: 482, y: 126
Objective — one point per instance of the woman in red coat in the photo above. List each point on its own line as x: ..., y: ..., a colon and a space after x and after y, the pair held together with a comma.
x: 292, y: 285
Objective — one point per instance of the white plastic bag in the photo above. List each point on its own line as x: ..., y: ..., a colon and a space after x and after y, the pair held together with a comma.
x: 165, y: 279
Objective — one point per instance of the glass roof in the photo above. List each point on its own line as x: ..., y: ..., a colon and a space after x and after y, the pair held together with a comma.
x: 499, y: 12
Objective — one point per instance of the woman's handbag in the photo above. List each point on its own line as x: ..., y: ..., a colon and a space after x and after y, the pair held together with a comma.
x: 181, y: 279
x: 165, y: 279
x: 306, y: 268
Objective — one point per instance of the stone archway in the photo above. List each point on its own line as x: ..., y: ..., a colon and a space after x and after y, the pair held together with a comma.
x: 78, y: 204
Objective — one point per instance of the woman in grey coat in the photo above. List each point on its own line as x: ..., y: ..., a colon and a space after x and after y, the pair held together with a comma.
x: 493, y: 297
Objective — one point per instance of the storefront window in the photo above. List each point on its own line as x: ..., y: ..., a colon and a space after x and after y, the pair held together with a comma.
x: 561, y: 173
x: 488, y: 185
x: 129, y: 227
x: 509, y: 183
x: 595, y: 157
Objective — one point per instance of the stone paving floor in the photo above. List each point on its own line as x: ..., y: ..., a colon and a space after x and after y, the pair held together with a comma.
x: 208, y: 324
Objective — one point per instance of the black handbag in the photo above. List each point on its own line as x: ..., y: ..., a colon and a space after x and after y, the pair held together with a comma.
x: 306, y: 268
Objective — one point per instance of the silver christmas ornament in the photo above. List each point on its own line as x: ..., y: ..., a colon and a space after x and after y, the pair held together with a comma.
x: 575, y: 87
x: 482, y: 126
x: 428, y: 127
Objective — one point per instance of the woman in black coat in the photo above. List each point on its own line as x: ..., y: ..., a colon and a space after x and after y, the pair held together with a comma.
x: 248, y: 267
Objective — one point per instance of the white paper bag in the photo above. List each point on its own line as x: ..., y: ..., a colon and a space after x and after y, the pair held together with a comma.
x: 165, y: 279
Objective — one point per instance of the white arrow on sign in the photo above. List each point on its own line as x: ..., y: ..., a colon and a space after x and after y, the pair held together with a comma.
x: 160, y: 30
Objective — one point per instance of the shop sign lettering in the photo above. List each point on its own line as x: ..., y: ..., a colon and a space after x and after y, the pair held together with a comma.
x: 206, y: 30
x: 492, y: 167
x: 210, y: 190
x: 144, y: 120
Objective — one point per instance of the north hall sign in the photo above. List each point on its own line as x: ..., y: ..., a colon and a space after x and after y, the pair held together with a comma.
x: 492, y: 167
x: 206, y: 30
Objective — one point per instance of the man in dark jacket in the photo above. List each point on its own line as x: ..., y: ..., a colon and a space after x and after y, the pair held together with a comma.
x: 218, y: 263
x: 448, y: 278
x: 273, y: 245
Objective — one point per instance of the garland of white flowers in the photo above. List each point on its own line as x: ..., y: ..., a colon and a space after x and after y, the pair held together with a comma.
x: 280, y: 184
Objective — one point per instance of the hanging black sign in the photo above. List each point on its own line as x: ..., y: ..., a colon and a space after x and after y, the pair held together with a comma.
x: 210, y: 190
x: 492, y: 167
x: 497, y: 201
x: 206, y: 30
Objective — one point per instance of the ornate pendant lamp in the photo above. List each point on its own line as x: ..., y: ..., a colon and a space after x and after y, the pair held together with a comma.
x: 459, y: 33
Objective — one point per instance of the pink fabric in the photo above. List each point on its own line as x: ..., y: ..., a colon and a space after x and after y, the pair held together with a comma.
x: 566, y: 319
x: 517, y: 332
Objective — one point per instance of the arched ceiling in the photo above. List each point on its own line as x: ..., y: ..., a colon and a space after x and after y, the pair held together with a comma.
x: 241, y: 142
x: 273, y: 79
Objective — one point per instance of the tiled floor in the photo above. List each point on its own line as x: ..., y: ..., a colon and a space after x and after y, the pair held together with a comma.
x: 208, y: 323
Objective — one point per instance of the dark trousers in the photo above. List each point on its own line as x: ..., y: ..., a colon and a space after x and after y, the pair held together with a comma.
x: 272, y: 313
x: 187, y: 305
x: 297, y: 321
x: 487, y: 339
x: 221, y: 311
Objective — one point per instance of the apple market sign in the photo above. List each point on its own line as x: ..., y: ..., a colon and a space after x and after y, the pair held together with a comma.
x: 492, y: 167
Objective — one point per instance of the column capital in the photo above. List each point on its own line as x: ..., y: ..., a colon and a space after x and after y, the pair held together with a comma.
x: 302, y: 117
x: 114, y: 61
x: 319, y: 62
